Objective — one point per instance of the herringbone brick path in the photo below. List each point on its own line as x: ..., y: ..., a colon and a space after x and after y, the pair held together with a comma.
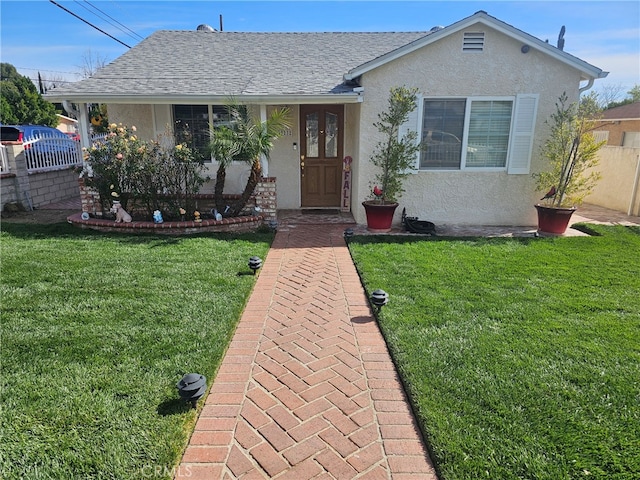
x: 307, y: 389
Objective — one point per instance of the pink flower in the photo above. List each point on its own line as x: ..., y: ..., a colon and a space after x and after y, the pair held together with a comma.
x: 119, y: 156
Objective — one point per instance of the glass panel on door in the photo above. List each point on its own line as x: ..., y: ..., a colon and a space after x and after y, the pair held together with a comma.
x: 331, y: 136
x: 312, y: 135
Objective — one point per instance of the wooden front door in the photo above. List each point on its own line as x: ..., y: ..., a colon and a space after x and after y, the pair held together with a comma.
x: 321, y: 139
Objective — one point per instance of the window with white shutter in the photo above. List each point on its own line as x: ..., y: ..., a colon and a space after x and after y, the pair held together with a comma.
x: 477, y: 133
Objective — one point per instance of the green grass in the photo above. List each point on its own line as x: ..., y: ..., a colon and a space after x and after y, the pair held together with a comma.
x: 521, y: 356
x: 96, y: 331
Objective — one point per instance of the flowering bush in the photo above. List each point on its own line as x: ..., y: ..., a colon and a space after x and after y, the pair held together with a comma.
x: 147, y: 174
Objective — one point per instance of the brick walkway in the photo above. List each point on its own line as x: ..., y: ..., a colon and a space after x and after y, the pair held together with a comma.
x: 307, y: 388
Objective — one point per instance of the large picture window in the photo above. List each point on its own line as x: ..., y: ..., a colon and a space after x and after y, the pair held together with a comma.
x: 193, y: 124
x: 470, y: 133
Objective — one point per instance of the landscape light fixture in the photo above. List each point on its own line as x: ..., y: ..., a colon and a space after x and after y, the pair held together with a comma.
x: 255, y: 263
x: 379, y: 298
x: 191, y: 387
x: 273, y: 225
x: 348, y: 233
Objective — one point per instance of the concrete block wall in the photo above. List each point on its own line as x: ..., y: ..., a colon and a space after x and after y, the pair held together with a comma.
x: 35, y: 189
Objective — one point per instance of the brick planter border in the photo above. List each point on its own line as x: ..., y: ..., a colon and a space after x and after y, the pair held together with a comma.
x: 236, y: 224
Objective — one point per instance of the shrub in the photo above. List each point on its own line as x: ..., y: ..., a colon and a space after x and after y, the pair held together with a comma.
x: 146, y: 174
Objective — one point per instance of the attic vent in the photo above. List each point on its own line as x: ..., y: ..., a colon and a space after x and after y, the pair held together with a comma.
x: 473, y: 42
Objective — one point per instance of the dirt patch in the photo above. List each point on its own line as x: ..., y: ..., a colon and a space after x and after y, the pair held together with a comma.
x: 38, y: 216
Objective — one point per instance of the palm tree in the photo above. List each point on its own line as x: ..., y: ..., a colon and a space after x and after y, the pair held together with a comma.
x: 223, y: 147
x: 246, y: 139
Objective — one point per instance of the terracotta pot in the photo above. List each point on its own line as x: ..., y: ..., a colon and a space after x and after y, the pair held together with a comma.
x: 554, y: 220
x: 379, y: 217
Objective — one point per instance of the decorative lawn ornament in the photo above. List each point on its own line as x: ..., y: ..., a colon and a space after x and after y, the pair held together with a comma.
x: 121, y: 213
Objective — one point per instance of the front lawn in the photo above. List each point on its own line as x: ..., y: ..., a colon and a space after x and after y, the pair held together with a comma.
x: 96, y: 331
x: 521, y: 356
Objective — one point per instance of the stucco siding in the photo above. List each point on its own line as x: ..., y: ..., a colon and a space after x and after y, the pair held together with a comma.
x: 140, y: 116
x: 443, y: 70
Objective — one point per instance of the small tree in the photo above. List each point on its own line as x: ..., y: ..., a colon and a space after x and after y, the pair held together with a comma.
x: 394, y: 156
x: 571, y: 150
x: 246, y: 139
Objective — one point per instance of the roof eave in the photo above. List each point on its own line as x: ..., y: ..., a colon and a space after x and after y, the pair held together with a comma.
x: 334, y: 98
x: 588, y: 71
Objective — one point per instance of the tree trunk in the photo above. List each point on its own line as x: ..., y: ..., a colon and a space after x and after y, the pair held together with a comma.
x: 252, y: 181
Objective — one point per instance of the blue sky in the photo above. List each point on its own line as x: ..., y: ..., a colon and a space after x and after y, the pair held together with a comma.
x: 36, y: 35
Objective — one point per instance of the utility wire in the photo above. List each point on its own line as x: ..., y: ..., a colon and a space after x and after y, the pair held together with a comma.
x: 90, y: 24
x: 126, y: 30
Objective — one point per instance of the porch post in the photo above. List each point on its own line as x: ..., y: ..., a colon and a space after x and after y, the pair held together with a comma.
x: 263, y: 159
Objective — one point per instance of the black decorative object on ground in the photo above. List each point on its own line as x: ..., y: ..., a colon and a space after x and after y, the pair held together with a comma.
x: 192, y: 387
x: 379, y: 298
x: 413, y: 225
x: 255, y: 263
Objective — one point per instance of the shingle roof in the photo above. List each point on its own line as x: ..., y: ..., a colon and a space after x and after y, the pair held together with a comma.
x: 239, y: 63
x: 190, y: 65
x: 628, y: 111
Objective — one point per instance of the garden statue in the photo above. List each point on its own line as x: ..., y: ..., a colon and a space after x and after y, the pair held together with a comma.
x: 157, y: 216
x: 121, y: 213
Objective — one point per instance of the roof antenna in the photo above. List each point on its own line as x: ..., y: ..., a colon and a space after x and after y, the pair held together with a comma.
x: 220, y: 22
x: 561, y: 38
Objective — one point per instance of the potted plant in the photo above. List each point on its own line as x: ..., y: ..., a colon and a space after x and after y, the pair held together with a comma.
x: 393, y: 156
x: 571, y: 151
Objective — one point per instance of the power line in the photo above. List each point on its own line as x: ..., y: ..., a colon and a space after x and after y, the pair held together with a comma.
x: 90, y: 24
x: 124, y: 30
x: 40, y: 70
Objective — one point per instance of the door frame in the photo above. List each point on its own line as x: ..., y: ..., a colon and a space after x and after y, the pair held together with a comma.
x: 339, y: 109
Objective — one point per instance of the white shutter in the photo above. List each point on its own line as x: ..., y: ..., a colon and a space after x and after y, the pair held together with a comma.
x: 413, y: 123
x: 524, y: 125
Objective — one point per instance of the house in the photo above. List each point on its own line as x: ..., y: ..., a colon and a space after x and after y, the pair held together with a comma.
x: 620, y: 126
x: 485, y: 91
x: 66, y: 124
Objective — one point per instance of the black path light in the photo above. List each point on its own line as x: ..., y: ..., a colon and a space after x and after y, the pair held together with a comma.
x: 379, y: 298
x: 273, y: 225
x: 255, y: 263
x: 191, y: 387
x: 348, y: 233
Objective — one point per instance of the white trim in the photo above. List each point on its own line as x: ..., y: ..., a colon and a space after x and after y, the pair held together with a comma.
x: 207, y: 99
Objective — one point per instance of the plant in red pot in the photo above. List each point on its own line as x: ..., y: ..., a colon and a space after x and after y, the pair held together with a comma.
x: 571, y: 151
x: 394, y: 156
